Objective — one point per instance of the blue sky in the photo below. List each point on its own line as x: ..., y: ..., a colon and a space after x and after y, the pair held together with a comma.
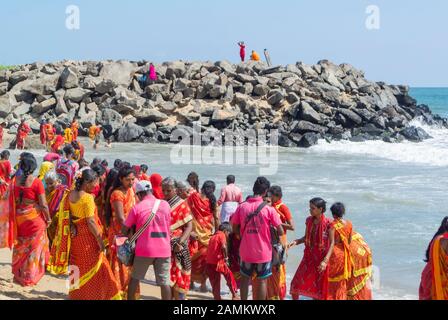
x: 410, y: 47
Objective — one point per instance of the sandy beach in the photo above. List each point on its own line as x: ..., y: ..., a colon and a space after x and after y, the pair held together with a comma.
x: 54, y: 288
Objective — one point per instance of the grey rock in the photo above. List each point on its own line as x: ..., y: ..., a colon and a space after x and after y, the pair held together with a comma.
x: 44, y: 106
x: 307, y: 113
x: 120, y: 72
x: 130, y: 132
x: 292, y: 98
x: 168, y: 107
x: 351, y: 116
x: 261, y: 90
x: 152, y: 115
x: 175, y: 69
x: 308, y: 140
x: 69, y: 78
x: 17, y: 77
x: 112, y: 118
x: 223, y: 116
x: 217, y: 91
x: 305, y: 126
x: 275, y: 97
x: 77, y: 94
x: 3, y: 88
x: 21, y: 110
x: 226, y: 66
x: 415, y: 134
x: 105, y: 86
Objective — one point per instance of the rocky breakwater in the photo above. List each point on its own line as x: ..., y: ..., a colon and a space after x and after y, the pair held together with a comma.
x: 304, y: 103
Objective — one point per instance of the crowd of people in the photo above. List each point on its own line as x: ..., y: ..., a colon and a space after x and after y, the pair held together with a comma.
x: 77, y: 214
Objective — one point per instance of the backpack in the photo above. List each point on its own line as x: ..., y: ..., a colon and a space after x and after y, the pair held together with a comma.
x: 65, y: 172
x: 278, y: 250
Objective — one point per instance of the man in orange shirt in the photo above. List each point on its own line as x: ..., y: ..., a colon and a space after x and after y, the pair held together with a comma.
x: 255, y: 56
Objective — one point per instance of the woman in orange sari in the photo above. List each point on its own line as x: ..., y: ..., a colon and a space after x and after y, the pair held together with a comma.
x: 75, y: 129
x: 181, y: 226
x: 434, y: 283
x: 311, y: 278
x: 49, y: 134
x: 205, y: 221
x: 87, y: 250
x: 5, y: 180
x: 29, y: 218
x: 340, y: 264
x: 68, y: 136
x: 276, y: 286
x: 59, y: 230
x: 359, y: 285
x: 122, y: 199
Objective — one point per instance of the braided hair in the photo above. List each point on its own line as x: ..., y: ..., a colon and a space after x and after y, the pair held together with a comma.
x: 208, y: 189
x: 87, y: 176
x: 28, y: 165
x: 443, y: 229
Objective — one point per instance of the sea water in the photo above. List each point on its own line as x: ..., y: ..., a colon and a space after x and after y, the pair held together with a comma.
x: 395, y: 194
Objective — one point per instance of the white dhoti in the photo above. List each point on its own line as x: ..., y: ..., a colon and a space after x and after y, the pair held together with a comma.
x: 227, y: 210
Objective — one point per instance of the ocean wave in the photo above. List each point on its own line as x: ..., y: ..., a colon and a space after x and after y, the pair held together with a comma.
x: 433, y: 152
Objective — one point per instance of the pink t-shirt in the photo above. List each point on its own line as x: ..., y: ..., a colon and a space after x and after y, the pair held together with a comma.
x: 230, y: 193
x: 155, y: 241
x: 256, y: 244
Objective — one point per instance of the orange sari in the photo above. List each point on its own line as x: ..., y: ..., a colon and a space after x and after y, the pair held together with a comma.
x: 28, y: 235
x: 180, y: 216
x: 276, y: 286
x: 340, y: 264
x: 68, y: 136
x: 75, y: 129
x: 359, y: 285
x: 121, y: 272
x: 203, y: 227
x: 434, y: 283
x: 5, y: 171
x: 96, y: 280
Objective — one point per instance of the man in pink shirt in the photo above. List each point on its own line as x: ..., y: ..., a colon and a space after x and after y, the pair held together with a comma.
x: 153, y: 246
x: 253, y: 220
x: 231, y: 197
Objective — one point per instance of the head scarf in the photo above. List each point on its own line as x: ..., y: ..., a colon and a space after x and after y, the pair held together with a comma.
x: 156, y: 182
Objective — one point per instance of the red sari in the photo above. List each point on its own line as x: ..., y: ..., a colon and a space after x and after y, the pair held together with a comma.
x: 308, y: 281
x: 5, y: 173
x: 340, y: 264
x: 434, y: 282
x: 22, y: 134
x: 203, y: 227
x: 57, y: 143
x: 28, y: 232
x: 43, y: 134
x: 180, y: 217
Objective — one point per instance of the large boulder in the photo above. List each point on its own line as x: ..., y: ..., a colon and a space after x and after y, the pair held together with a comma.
x: 69, y: 78
x: 77, y: 94
x: 112, y: 118
x: 307, y: 113
x: 223, y: 116
x: 7, y: 102
x: 44, y: 106
x: 175, y: 69
x: 21, y: 109
x: 120, y: 72
x: 351, y: 116
x: 150, y: 115
x: 17, y: 77
x: 275, y: 97
x: 305, y: 126
x: 415, y: 134
x: 308, y: 140
x: 130, y: 132
x: 105, y: 86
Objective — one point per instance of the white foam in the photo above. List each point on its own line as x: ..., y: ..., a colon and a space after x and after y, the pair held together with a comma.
x: 432, y: 152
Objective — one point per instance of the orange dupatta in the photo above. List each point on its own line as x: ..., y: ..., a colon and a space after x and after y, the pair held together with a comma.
x: 440, y: 270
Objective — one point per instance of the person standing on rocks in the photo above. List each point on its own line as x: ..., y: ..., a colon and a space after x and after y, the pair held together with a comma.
x: 49, y: 135
x: 152, y: 73
x: 242, y: 50
x: 255, y: 56
x: 268, y: 57
x: 22, y: 133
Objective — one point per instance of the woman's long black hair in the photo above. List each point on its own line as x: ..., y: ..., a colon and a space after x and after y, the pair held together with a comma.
x: 208, y: 189
x: 443, y: 229
x: 87, y: 176
x: 28, y: 165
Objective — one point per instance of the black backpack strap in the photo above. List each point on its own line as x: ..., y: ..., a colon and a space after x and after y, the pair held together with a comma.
x: 253, y: 215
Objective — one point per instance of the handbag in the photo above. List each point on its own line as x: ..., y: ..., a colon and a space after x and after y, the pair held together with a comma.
x: 126, y: 248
